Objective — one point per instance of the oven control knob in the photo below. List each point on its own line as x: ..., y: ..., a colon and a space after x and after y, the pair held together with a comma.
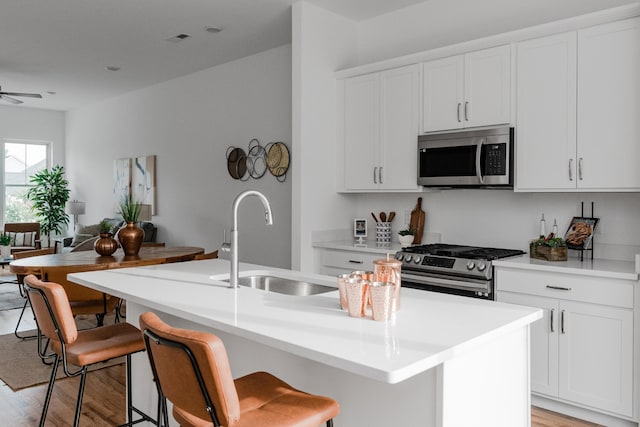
x: 471, y: 265
x: 408, y: 258
x: 417, y: 259
x: 399, y: 256
x: 482, y: 266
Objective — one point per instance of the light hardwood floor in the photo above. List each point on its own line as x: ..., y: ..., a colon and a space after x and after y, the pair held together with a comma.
x: 104, y: 398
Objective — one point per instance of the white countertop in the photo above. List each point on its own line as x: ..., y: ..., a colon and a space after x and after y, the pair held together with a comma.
x: 594, y: 268
x: 368, y: 246
x: 429, y: 329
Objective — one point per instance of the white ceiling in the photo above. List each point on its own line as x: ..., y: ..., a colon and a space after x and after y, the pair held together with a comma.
x: 63, y: 46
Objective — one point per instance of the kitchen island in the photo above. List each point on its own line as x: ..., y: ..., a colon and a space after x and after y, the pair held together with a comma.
x: 442, y: 361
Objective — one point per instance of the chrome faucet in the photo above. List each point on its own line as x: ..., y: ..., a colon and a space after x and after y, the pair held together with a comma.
x: 232, y: 247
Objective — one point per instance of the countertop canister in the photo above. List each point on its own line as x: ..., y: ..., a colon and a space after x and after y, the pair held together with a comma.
x: 388, y: 270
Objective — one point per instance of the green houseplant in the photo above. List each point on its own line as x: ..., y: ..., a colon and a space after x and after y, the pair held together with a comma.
x: 49, y: 195
x: 5, y: 245
x: 406, y: 236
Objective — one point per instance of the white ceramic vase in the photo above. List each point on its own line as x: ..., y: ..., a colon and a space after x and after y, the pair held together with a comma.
x: 405, y: 240
x: 5, y: 251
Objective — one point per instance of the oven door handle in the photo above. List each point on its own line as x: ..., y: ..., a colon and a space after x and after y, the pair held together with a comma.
x: 451, y: 283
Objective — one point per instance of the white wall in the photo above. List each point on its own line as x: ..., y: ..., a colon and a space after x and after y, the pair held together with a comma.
x: 322, y: 43
x: 36, y: 125
x: 436, y: 23
x: 189, y: 123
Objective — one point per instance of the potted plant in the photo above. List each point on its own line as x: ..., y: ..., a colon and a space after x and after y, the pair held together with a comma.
x: 106, y: 244
x: 49, y: 196
x: 406, y: 236
x: 131, y: 235
x: 5, y: 245
x: 549, y: 248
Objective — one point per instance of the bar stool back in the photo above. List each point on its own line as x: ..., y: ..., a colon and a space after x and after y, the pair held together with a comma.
x: 191, y: 369
x: 80, y: 348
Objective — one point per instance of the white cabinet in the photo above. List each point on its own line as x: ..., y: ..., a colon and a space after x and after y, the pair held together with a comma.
x: 582, y: 349
x: 381, y: 115
x: 336, y: 261
x: 578, y: 99
x: 546, y: 113
x: 609, y: 106
x: 467, y: 90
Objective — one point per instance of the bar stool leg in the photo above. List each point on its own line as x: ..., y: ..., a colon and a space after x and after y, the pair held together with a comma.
x: 83, y: 378
x: 47, y: 399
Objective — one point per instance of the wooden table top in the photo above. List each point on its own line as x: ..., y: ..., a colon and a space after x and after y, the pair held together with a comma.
x: 90, y: 260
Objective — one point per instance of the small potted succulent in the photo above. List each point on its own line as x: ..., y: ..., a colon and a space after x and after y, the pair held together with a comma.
x: 406, y: 236
x: 550, y: 248
x: 5, y: 245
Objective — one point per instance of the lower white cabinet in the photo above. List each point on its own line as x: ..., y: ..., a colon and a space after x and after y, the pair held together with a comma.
x: 336, y: 262
x: 582, y: 349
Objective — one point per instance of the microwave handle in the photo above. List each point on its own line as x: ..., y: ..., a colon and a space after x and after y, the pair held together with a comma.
x: 478, y: 160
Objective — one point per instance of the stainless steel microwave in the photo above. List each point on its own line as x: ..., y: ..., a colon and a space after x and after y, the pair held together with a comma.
x: 479, y: 158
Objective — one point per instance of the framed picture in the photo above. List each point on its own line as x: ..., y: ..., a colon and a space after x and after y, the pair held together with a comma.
x: 580, y: 232
x: 360, y: 227
x: 143, y: 181
x: 121, y: 182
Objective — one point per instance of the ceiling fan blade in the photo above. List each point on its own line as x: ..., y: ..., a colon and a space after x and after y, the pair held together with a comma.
x: 28, y: 95
x: 9, y: 99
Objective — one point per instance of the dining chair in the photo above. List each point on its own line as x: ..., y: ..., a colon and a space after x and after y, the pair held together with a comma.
x: 191, y: 370
x: 79, y: 348
x: 20, y: 281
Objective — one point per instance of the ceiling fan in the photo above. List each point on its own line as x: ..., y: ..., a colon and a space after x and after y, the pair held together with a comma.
x: 8, y: 96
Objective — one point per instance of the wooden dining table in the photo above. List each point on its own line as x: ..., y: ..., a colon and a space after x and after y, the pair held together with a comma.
x: 90, y: 260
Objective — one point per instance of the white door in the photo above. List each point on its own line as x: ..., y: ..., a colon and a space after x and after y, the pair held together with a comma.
x: 399, y: 118
x: 442, y: 94
x: 487, y: 87
x: 546, y: 113
x: 361, y: 132
x: 596, y: 356
x: 544, y: 341
x: 609, y: 106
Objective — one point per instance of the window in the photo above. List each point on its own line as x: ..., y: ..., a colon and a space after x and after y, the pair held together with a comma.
x: 21, y: 160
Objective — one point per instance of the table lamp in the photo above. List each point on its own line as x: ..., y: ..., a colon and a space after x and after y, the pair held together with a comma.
x: 75, y: 208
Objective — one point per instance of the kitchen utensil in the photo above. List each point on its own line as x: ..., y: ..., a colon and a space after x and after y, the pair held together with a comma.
x: 236, y: 162
x: 277, y: 159
x: 383, y: 217
x: 417, y: 222
x: 391, y: 216
x: 374, y: 217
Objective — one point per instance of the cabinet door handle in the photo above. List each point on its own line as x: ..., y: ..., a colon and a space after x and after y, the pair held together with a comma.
x: 558, y: 288
x: 562, y: 321
x: 380, y: 175
x: 466, y: 111
x: 353, y: 261
x: 570, y: 169
x: 459, y: 106
x: 551, y: 313
x: 375, y: 179
x: 580, y: 168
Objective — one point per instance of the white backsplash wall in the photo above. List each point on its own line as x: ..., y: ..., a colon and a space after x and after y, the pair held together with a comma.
x: 502, y: 218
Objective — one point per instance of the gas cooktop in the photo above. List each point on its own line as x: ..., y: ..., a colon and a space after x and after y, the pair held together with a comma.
x: 460, y: 251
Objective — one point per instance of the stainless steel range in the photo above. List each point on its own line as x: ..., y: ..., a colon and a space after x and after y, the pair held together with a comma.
x: 452, y: 269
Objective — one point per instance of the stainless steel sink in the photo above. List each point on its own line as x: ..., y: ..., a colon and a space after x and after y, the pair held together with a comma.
x: 283, y: 286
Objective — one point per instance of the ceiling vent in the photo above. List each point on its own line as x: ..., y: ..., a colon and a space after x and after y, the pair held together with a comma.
x: 178, y: 38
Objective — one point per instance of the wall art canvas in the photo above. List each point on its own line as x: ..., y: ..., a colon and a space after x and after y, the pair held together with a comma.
x: 121, y: 182
x: 143, y: 181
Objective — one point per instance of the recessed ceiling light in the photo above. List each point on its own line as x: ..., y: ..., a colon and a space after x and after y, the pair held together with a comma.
x: 213, y: 30
x: 111, y: 68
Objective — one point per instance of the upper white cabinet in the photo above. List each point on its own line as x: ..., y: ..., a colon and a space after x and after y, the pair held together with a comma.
x: 467, y: 90
x: 578, y: 99
x: 609, y: 106
x: 381, y: 115
x: 546, y: 113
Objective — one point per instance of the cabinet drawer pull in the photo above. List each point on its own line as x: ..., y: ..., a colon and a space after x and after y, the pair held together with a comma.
x: 466, y: 111
x: 380, y: 175
x: 459, y: 105
x: 553, y: 310
x: 375, y: 178
x: 570, y: 169
x: 353, y: 261
x: 562, y: 321
x: 558, y: 288
x: 580, y: 168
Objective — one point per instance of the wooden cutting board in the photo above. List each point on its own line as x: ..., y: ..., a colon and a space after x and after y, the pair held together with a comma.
x: 417, y: 222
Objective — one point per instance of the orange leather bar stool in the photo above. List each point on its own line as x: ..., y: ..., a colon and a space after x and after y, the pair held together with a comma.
x: 192, y: 371
x: 80, y: 348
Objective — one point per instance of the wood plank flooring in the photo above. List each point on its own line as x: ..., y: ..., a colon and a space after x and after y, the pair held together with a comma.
x: 104, y: 398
